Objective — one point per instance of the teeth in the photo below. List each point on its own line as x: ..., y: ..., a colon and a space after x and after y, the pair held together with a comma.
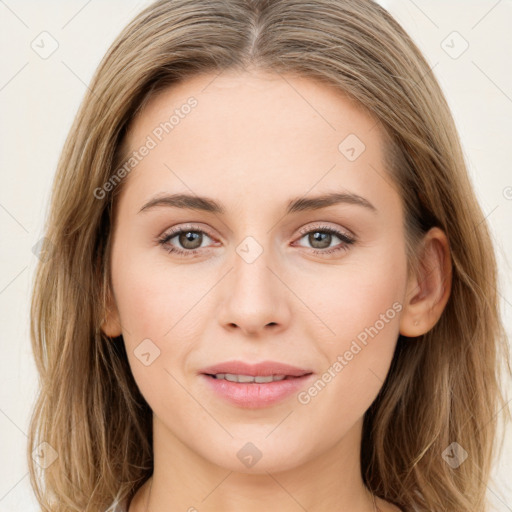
x: 249, y: 378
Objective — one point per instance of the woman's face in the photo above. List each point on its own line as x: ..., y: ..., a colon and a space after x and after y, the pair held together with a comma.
x: 263, y: 271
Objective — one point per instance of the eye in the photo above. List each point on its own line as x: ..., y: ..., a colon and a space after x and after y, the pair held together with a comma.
x: 190, y: 238
x: 321, y: 238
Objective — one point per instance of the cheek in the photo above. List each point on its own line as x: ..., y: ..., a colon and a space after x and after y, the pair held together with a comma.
x: 371, y: 308
x: 354, y: 296
x: 157, y: 336
x: 362, y: 311
x: 150, y: 296
x: 163, y: 310
x: 153, y: 308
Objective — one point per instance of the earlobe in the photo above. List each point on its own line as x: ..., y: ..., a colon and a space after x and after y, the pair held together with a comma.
x: 111, y: 324
x: 429, y: 290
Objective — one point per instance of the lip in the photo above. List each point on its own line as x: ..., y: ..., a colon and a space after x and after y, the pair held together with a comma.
x: 256, y: 395
x: 265, y: 368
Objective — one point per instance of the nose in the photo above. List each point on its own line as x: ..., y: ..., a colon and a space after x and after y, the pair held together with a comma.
x: 255, y: 297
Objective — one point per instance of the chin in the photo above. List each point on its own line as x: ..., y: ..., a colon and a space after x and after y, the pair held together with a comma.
x: 259, y: 457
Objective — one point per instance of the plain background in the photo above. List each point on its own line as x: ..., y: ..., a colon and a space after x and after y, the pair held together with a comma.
x: 39, y: 98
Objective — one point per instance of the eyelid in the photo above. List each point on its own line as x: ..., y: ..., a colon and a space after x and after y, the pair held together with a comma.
x: 302, y: 231
x: 346, y: 236
x: 187, y: 226
x: 325, y: 225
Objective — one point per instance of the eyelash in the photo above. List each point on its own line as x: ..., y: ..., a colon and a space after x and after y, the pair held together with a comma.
x: 165, y: 239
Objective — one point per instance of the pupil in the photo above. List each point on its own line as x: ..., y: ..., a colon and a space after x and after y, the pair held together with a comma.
x: 323, y: 238
x: 188, y: 239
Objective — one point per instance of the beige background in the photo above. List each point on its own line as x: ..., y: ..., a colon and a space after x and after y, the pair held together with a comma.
x: 39, y: 98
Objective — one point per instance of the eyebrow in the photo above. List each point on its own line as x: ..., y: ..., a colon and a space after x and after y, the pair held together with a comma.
x: 206, y: 204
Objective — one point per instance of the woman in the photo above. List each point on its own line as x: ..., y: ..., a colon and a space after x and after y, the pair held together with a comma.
x: 270, y: 285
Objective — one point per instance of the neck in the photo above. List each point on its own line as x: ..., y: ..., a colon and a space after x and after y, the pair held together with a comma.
x: 183, y: 480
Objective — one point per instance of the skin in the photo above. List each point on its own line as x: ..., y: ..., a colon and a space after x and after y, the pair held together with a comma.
x: 253, y: 142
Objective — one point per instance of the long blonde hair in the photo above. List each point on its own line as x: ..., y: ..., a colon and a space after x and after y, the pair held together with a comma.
x: 442, y: 387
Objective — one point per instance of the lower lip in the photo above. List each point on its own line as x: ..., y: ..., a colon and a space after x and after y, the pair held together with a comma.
x: 256, y: 395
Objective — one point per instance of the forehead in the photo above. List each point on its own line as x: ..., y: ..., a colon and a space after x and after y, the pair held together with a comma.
x: 275, y: 134
x: 261, y: 102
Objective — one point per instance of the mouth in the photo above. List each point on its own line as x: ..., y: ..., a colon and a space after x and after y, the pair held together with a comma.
x: 255, y: 386
x: 250, y: 379
x: 248, y: 370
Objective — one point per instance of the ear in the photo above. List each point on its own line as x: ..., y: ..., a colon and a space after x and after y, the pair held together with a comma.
x: 111, y: 324
x: 428, y: 290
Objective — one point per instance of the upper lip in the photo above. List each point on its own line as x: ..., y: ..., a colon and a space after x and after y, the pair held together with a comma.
x: 263, y: 369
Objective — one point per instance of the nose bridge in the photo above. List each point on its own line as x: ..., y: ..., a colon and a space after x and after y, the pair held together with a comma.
x: 255, y: 296
x: 251, y: 265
